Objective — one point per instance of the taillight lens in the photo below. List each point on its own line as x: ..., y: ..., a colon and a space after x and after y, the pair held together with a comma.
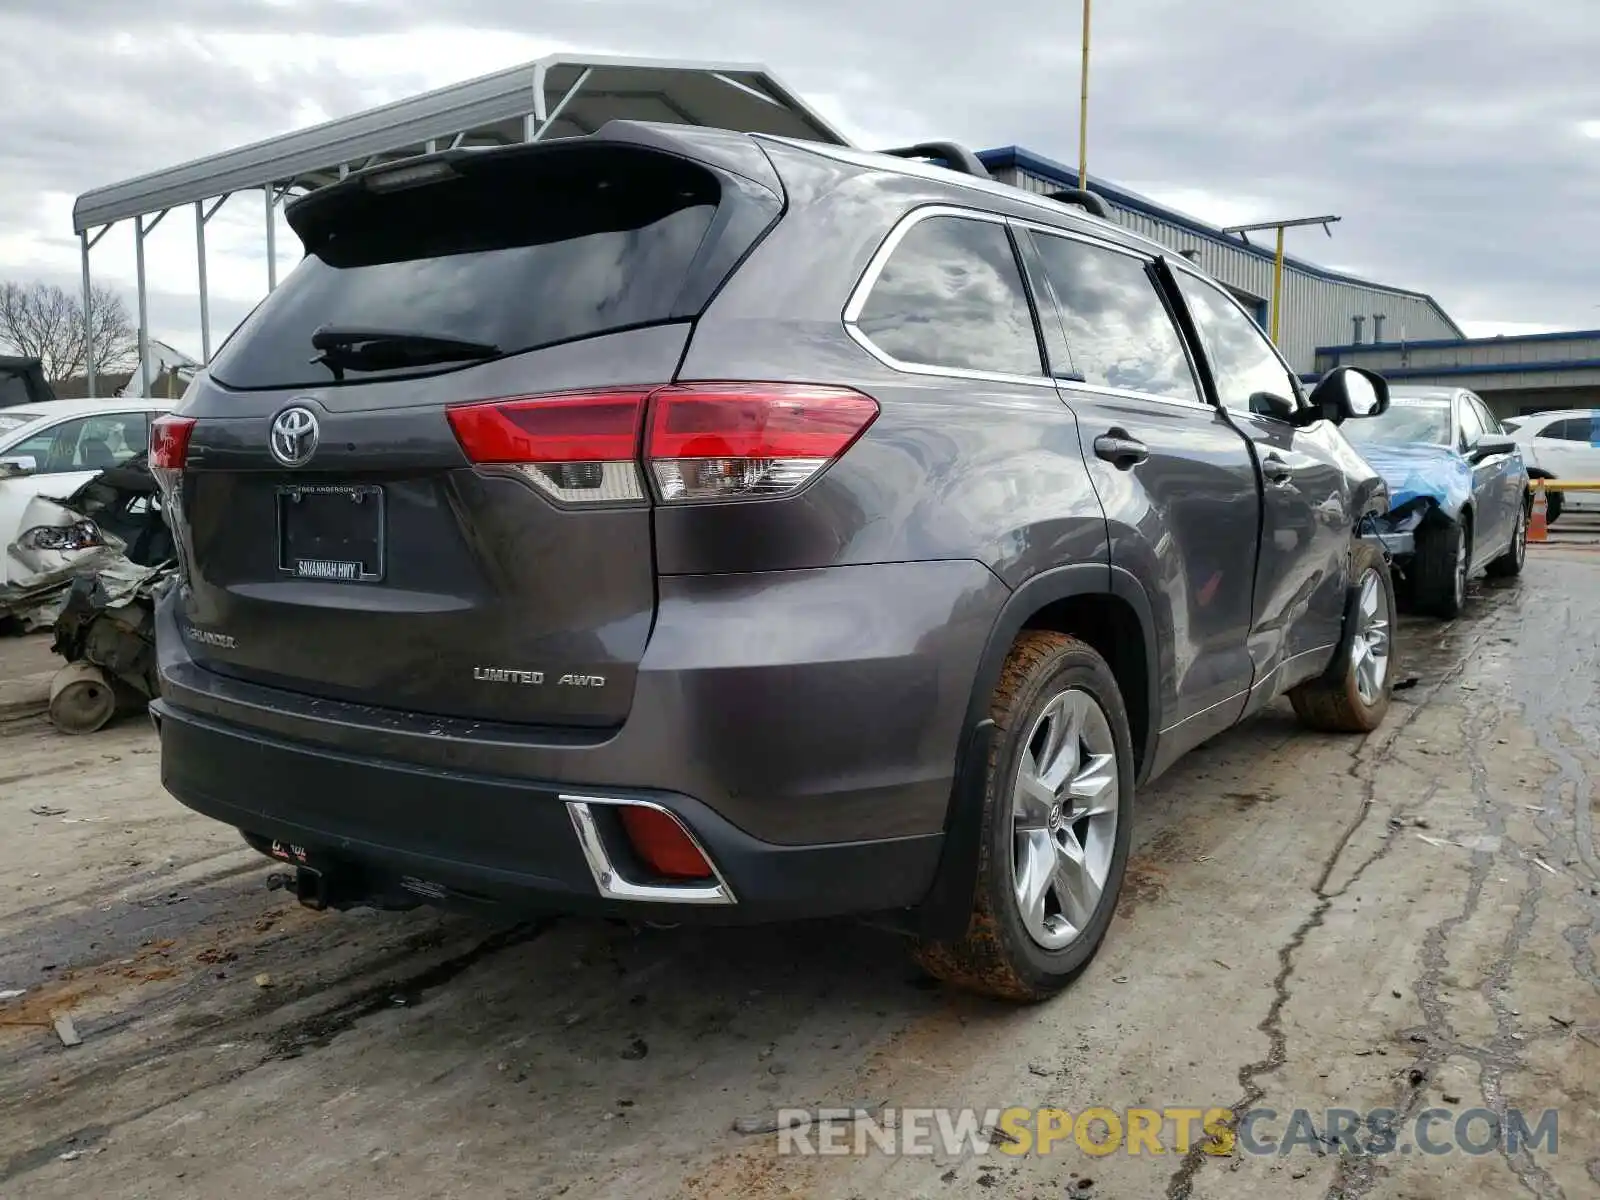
x: 169, y: 442
x: 709, y: 441
x: 714, y: 441
x: 575, y: 448
x: 169, y: 451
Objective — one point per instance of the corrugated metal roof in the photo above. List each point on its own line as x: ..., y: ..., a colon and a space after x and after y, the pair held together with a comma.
x: 1025, y: 160
x: 490, y: 110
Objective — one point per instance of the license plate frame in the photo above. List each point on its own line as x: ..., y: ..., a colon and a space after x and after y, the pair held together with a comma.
x: 336, y: 567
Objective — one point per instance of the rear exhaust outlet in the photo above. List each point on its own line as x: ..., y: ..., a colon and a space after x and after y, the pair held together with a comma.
x: 311, y: 888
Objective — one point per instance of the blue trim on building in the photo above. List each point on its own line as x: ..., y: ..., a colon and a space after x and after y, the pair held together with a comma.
x: 1015, y: 156
x: 1584, y: 364
x: 1570, y: 335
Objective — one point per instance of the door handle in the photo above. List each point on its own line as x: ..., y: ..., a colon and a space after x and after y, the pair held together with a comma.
x: 1276, y: 470
x: 1120, y: 450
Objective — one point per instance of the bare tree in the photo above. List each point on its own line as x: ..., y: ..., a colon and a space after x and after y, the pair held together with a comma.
x: 40, y: 320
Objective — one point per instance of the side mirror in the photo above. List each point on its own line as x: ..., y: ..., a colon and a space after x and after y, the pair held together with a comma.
x: 1270, y: 404
x: 18, y: 464
x: 1347, y: 392
x: 1491, y: 444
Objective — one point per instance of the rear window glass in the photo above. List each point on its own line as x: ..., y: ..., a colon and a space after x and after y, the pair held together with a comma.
x: 10, y: 422
x: 520, y: 251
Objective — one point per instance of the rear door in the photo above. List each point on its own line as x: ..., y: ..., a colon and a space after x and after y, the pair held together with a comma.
x: 412, y: 476
x: 1498, y: 480
x: 1176, y: 480
x: 1570, y: 446
x: 1306, y: 525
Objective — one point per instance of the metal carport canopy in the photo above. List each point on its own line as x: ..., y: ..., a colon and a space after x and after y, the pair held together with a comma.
x: 508, y: 106
x: 559, y: 96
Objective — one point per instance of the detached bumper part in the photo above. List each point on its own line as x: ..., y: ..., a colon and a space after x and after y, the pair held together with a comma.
x: 1395, y: 544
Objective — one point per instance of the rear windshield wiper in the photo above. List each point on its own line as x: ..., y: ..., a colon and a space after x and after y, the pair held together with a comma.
x: 346, y: 348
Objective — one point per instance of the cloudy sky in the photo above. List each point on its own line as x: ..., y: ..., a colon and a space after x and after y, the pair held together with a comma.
x: 1459, y: 139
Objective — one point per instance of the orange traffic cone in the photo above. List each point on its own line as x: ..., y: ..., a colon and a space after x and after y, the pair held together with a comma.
x: 1538, y: 527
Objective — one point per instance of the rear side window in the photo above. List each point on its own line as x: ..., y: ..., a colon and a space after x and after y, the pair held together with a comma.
x: 517, y: 252
x: 1574, y: 429
x: 951, y: 295
x: 1119, y: 333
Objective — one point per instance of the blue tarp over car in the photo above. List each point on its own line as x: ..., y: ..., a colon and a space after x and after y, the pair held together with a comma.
x: 1422, y: 471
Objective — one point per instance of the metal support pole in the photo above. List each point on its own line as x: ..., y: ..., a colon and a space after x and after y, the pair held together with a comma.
x: 144, y: 311
x: 543, y: 127
x: 1277, y: 259
x: 205, y: 298
x: 272, y: 237
x: 1083, y: 105
x: 88, y: 314
x: 1277, y: 286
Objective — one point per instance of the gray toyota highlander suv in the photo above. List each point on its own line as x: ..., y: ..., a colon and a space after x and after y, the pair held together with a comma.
x: 680, y: 524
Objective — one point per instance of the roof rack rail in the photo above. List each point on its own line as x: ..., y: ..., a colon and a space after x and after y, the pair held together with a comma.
x: 950, y: 154
x: 1084, y: 199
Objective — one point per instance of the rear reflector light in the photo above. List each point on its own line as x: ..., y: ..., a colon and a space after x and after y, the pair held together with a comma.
x: 579, y: 449
x: 716, y: 441
x: 169, y: 442
x: 662, y: 844
x: 709, y: 441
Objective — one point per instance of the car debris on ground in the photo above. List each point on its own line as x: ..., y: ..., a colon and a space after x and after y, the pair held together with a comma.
x: 90, y: 567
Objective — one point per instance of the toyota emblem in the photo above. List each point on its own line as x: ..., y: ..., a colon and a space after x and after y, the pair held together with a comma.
x: 294, y: 436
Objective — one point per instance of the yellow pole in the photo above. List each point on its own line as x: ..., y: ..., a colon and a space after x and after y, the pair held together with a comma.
x: 1277, y: 287
x: 1083, y: 106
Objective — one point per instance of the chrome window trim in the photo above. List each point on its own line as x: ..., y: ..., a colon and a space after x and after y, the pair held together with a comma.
x: 869, y: 279
x: 880, y: 258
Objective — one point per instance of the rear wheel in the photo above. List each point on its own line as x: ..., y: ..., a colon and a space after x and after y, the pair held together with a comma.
x: 1354, y: 696
x: 1440, y: 566
x: 1510, y: 563
x: 1057, y: 823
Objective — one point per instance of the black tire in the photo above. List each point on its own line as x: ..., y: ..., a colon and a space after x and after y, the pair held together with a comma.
x: 998, y: 956
x: 1334, y: 702
x: 1440, y: 566
x: 1509, y: 564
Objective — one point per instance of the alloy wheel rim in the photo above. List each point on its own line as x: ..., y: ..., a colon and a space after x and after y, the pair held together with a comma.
x: 1522, y: 535
x: 1369, y: 648
x: 1461, y: 566
x: 1064, y: 812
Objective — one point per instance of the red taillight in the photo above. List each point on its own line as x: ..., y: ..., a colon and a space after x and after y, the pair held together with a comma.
x: 713, y: 441
x: 169, y: 442
x: 576, y: 448
x: 662, y: 844
x: 706, y: 441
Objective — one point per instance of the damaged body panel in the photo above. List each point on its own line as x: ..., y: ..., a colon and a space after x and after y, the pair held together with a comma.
x: 91, y: 568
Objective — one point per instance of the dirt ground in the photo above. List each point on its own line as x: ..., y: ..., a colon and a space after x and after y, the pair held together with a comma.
x: 1406, y: 921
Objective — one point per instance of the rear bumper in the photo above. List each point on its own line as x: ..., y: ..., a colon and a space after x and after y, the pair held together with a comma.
x: 470, y: 840
x: 802, y: 726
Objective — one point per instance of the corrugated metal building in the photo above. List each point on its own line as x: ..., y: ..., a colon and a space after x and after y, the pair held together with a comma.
x: 1320, y: 307
x: 1533, y: 372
